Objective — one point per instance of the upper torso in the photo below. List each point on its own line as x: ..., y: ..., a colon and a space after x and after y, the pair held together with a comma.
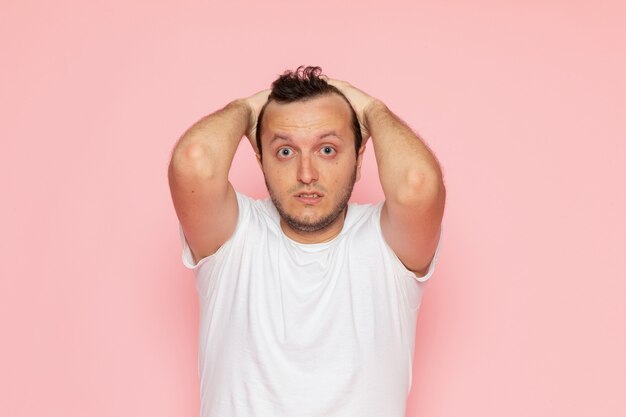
x: 291, y: 329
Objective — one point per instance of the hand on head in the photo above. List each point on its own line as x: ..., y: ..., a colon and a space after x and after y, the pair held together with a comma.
x: 359, y: 100
x: 255, y: 103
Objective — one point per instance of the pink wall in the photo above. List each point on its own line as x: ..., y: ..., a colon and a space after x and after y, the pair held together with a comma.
x: 523, y: 103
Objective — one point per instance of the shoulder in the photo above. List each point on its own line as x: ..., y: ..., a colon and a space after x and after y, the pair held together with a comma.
x: 261, y: 210
x: 360, y: 215
x: 362, y: 223
x: 256, y: 211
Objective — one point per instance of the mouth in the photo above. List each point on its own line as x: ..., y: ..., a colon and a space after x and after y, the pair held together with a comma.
x: 309, y: 197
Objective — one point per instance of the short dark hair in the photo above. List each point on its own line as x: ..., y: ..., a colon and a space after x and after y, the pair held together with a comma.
x: 302, y: 84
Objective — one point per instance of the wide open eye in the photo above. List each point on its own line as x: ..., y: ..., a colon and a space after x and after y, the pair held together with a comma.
x: 328, y: 150
x: 285, y: 152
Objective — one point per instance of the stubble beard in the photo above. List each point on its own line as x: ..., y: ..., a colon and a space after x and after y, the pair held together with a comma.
x: 315, y: 226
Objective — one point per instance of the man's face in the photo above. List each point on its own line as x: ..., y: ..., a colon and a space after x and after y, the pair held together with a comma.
x: 309, y: 161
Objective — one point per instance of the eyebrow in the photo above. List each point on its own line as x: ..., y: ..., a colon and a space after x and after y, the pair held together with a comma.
x: 287, y: 138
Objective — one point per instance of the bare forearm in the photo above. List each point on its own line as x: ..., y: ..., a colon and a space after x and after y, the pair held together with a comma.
x: 405, y: 164
x: 208, y: 147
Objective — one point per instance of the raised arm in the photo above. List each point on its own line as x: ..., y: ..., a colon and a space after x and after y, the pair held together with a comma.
x: 411, y: 179
x: 204, y: 200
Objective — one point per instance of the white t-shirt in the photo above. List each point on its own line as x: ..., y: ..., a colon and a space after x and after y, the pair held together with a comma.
x: 308, y: 330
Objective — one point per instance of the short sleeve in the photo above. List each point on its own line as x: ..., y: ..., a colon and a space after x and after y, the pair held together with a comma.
x: 403, y: 269
x: 187, y: 257
x: 431, y: 267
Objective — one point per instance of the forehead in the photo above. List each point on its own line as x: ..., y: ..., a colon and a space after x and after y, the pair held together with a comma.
x: 306, y: 117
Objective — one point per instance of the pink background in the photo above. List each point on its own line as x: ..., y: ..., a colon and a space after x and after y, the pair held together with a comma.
x: 524, y: 104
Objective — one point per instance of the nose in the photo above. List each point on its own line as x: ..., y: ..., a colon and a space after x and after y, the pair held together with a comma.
x: 307, y: 172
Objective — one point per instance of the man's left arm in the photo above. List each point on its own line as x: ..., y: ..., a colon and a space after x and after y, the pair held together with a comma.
x: 411, y: 179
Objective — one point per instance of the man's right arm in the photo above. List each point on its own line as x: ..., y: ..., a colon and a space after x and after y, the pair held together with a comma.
x: 204, y: 200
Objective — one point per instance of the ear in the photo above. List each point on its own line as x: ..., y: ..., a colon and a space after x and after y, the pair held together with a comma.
x: 259, y: 160
x: 359, y: 161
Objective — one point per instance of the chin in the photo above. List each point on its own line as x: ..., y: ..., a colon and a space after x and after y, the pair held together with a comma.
x: 310, y: 223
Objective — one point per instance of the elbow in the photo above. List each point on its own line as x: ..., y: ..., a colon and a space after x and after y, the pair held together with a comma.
x: 191, y: 160
x: 420, y: 186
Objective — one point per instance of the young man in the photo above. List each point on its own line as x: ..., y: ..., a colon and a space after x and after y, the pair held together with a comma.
x: 308, y: 303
